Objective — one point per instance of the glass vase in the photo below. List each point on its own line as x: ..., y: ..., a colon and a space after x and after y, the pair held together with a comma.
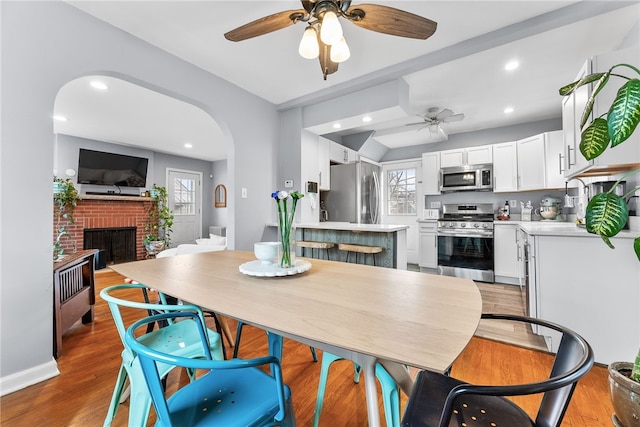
x: 287, y: 239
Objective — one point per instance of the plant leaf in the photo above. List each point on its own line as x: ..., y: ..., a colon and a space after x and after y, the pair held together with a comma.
x: 594, y: 139
x: 568, y: 89
x: 624, y: 113
x: 607, y: 214
x: 589, y: 107
x: 636, y: 247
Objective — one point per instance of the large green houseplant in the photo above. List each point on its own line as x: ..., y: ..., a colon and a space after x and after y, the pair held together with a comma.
x: 159, y: 223
x: 607, y: 213
x: 65, y: 199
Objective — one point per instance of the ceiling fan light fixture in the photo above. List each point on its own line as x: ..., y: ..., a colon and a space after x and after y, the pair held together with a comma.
x: 330, y: 28
x: 340, y: 51
x: 309, y: 48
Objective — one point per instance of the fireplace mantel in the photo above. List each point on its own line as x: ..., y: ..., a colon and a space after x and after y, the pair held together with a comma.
x: 115, y: 197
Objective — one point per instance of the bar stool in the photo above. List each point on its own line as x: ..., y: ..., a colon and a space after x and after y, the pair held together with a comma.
x: 360, y: 249
x: 316, y: 245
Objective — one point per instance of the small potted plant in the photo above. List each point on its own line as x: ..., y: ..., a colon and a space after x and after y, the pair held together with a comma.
x: 159, y: 222
x: 65, y: 199
x: 607, y: 213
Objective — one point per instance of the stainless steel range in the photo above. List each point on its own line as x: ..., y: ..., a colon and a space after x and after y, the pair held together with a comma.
x: 465, y: 241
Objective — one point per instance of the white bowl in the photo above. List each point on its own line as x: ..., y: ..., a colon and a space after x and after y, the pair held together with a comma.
x: 267, y: 252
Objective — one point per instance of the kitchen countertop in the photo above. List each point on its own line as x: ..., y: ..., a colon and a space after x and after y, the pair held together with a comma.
x: 562, y: 228
x: 348, y: 226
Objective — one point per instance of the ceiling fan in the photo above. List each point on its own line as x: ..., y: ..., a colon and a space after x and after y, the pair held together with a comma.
x: 434, y: 118
x: 323, y: 36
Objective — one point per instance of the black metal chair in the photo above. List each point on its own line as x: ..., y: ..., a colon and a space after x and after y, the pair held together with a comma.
x: 440, y: 400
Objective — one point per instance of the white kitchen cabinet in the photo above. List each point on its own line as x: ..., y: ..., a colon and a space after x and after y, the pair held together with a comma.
x: 572, y: 108
x: 531, y: 163
x: 584, y: 285
x: 554, y: 164
x: 340, y: 154
x: 467, y: 156
x: 505, y: 248
x: 626, y: 153
x: 428, y: 244
x: 505, y: 167
x: 431, y: 173
x: 324, y: 165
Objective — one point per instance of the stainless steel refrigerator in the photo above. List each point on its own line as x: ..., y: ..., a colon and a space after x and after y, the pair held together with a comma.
x: 355, y: 194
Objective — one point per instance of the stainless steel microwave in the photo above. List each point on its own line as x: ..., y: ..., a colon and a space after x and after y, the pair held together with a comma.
x: 467, y: 178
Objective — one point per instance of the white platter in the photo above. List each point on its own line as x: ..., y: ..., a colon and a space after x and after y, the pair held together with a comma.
x: 258, y: 269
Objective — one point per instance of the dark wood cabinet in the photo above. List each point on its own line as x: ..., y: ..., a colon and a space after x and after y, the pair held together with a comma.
x: 73, y: 293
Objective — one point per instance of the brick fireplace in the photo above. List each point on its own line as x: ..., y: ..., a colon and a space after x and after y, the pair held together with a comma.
x: 107, y: 212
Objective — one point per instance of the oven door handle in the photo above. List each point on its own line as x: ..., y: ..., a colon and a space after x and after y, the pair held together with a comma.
x: 465, y: 233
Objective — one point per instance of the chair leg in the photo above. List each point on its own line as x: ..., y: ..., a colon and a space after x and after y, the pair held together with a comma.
x: 237, y: 344
x: 118, y: 390
x: 390, y: 397
x: 327, y: 360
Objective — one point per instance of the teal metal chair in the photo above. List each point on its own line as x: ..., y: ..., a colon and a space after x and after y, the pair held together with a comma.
x: 233, y: 393
x: 177, y: 338
x: 390, y: 390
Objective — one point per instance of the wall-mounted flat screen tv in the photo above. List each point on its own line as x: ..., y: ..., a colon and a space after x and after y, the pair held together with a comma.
x: 99, y: 168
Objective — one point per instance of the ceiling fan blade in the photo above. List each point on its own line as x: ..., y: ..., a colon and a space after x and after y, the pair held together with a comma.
x: 326, y: 64
x: 444, y: 114
x: 414, y: 124
x: 389, y: 20
x: 265, y: 25
x: 454, y: 118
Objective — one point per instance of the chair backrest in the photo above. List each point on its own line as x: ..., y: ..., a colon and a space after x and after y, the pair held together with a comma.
x: 149, y: 357
x: 115, y: 303
x: 573, y: 360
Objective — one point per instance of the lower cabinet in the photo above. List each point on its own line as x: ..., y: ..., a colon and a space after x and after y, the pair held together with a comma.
x: 428, y: 244
x: 506, y: 258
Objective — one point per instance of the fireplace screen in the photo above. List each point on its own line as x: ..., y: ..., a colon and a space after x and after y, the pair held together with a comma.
x: 119, y: 244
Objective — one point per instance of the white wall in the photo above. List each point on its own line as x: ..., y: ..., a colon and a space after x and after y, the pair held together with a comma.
x: 44, y: 45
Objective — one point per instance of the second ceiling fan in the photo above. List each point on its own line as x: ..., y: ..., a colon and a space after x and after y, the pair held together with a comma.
x: 323, y: 37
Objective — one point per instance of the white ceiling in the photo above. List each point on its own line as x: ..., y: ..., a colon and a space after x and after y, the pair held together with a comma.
x: 460, y: 67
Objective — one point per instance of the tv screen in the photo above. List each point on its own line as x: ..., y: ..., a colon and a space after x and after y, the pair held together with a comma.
x: 99, y: 168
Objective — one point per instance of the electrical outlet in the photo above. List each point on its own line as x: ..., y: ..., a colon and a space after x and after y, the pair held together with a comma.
x: 288, y: 183
x: 513, y: 203
x: 244, y: 193
x: 435, y: 205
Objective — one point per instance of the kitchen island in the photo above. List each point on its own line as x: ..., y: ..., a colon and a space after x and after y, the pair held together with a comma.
x: 392, y: 239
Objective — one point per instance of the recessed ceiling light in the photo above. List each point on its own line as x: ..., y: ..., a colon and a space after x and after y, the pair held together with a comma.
x: 188, y: 145
x: 508, y: 110
x: 337, y: 125
x: 60, y: 118
x: 511, y: 65
x: 366, y: 119
x: 98, y: 85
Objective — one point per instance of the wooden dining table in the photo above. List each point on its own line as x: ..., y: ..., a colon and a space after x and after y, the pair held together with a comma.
x: 364, y: 313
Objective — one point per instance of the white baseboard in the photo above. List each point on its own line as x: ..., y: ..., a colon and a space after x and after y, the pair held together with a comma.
x: 22, y: 379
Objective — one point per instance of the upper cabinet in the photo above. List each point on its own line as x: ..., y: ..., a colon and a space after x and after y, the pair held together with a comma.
x: 466, y: 156
x: 431, y: 173
x: 340, y: 154
x: 613, y: 159
x: 505, y: 167
x: 533, y: 163
x: 324, y: 165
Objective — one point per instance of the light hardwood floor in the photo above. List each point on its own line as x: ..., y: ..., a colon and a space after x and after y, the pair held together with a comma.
x: 80, y: 395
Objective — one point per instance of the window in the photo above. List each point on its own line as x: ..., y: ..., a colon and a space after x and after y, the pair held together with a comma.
x: 401, y: 199
x: 184, y: 193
